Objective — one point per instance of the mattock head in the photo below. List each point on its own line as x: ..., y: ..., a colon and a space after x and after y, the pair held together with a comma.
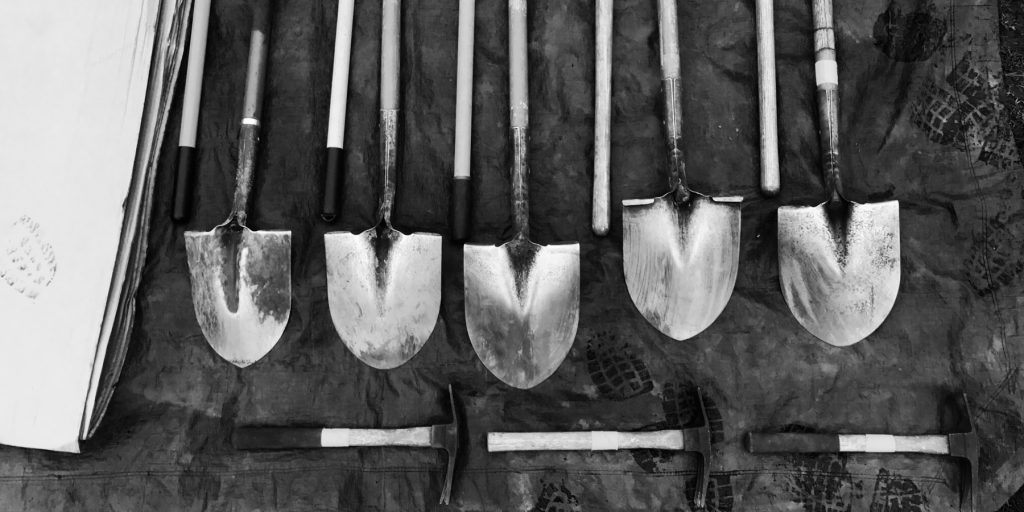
x: 448, y: 438
x: 965, y: 445
x: 698, y: 439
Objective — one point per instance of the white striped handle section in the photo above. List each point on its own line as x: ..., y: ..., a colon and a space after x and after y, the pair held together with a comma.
x: 881, y: 443
x: 345, y: 437
x: 576, y: 441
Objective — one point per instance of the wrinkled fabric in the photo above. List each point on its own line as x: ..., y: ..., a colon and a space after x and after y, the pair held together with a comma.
x: 924, y: 120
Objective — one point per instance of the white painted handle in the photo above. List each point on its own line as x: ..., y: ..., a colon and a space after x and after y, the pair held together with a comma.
x: 519, y: 93
x: 668, y: 31
x: 875, y: 443
x: 345, y: 437
x: 194, y: 75
x: 339, y: 78
x: 390, y: 44
x: 464, y: 89
x: 602, y: 117
x: 767, y: 97
x: 575, y: 441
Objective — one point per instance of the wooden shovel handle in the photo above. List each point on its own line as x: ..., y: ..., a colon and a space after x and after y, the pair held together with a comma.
x: 519, y: 107
x: 826, y: 77
x: 767, y: 97
x: 668, y: 31
x: 390, y: 44
x: 463, y: 122
x: 248, y: 137
x: 185, y: 174
x: 575, y: 441
x: 333, y: 175
x: 601, y: 216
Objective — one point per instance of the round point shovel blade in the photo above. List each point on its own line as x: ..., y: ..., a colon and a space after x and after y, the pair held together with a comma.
x: 680, y: 261
x: 384, y: 290
x: 241, y: 289
x: 840, y: 279
x: 522, y: 307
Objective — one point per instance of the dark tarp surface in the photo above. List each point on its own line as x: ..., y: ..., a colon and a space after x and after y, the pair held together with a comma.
x: 925, y: 119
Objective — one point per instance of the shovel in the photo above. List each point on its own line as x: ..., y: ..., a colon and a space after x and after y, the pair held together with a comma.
x: 681, y: 250
x: 522, y: 298
x: 241, y: 279
x: 839, y: 261
x: 384, y: 287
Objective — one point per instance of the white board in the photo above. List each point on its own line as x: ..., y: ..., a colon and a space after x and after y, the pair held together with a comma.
x: 72, y: 99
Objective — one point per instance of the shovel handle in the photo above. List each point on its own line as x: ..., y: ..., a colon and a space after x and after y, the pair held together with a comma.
x: 826, y: 78
x: 847, y: 443
x: 601, y: 215
x: 390, y: 45
x: 519, y: 107
x: 767, y: 97
x: 463, y: 122
x: 668, y: 32
x: 333, y: 175
x: 577, y: 441
x: 183, y: 180
x: 284, y: 438
x: 249, y: 133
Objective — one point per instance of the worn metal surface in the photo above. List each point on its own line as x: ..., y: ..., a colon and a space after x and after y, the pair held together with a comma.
x: 241, y: 289
x: 522, y: 307
x: 680, y: 261
x: 840, y: 276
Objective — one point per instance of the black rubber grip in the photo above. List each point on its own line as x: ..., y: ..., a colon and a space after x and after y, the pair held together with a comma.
x: 183, y: 183
x: 461, y: 204
x: 275, y: 438
x: 793, y: 443
x: 332, y: 184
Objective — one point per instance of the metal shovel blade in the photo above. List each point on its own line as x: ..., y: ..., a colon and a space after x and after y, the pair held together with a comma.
x: 680, y: 260
x: 241, y: 289
x: 840, y: 276
x: 522, y: 307
x: 384, y: 291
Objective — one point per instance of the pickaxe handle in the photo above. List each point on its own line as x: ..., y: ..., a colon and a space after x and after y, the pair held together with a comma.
x: 283, y: 438
x: 575, y: 441
x: 847, y: 443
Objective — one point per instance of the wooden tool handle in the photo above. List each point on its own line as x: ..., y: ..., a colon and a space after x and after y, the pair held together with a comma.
x: 519, y: 106
x: 333, y: 175
x: 248, y: 138
x: 184, y: 177
x: 601, y: 216
x: 826, y: 77
x: 767, y: 97
x: 847, y: 443
x: 668, y: 31
x: 390, y: 44
x: 283, y: 438
x: 593, y: 441
x: 463, y: 121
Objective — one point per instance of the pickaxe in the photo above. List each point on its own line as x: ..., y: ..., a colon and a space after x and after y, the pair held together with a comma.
x: 963, y: 445
x: 443, y: 437
x: 694, y: 439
